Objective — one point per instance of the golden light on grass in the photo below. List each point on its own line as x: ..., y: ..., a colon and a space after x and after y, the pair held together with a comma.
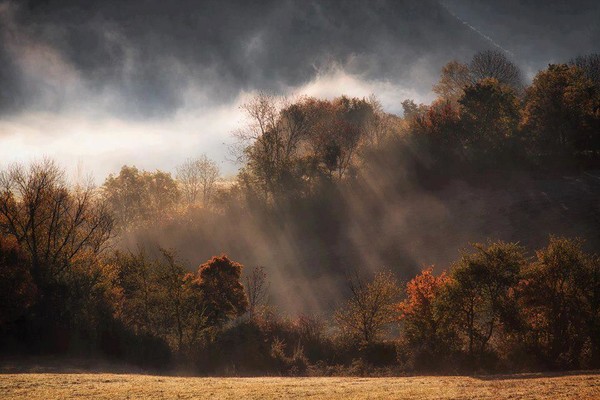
x: 583, y: 386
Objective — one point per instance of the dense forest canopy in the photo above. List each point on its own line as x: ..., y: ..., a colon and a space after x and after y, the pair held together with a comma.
x: 331, y: 185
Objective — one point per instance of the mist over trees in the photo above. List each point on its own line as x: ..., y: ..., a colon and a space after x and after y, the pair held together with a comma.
x: 135, y: 196
x: 489, y: 64
x: 326, y: 187
x: 197, y: 179
x: 371, y: 307
x: 561, y: 112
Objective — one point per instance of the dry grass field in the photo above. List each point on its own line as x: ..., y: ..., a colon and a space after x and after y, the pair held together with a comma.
x: 581, y: 386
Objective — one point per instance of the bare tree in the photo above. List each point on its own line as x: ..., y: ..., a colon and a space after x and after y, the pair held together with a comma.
x: 590, y: 65
x: 371, y: 307
x: 198, y: 178
x: 256, y: 288
x: 495, y: 64
x: 380, y: 125
x: 262, y: 113
x: 56, y: 225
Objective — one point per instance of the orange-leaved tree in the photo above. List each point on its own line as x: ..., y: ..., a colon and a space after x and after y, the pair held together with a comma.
x: 424, y: 327
x: 222, y: 291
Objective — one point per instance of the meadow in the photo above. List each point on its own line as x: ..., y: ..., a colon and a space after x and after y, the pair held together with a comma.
x: 34, y: 386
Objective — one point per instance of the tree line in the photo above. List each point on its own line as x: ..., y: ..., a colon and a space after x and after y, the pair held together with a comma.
x: 484, y: 119
x: 71, y: 286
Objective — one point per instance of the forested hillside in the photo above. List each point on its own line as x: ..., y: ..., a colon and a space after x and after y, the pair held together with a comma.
x: 315, y: 258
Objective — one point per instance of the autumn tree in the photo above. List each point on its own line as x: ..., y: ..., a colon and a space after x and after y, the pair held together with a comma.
x: 170, y: 279
x: 338, y: 131
x: 17, y: 289
x: 135, y: 275
x: 288, y: 147
x: 425, y: 328
x: 136, y: 196
x: 590, y: 65
x: 269, y: 141
x: 479, y: 291
x: 489, y: 64
x: 559, y: 294
x: 371, y: 307
x: 592, y: 306
x: 198, y: 178
x: 489, y: 113
x: 223, y: 294
x: 379, y: 126
x: 561, y: 111
x: 454, y: 78
x: 63, y: 231
x: 437, y: 134
x: 162, y: 193
x: 59, y: 228
x: 126, y: 195
x: 159, y: 297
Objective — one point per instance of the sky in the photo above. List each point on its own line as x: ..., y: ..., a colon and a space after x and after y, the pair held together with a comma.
x: 96, y: 85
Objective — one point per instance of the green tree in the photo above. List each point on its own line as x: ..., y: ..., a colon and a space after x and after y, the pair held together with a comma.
x: 559, y: 294
x: 489, y: 113
x: 137, y: 196
x: 479, y: 292
x: 139, y: 298
x: 158, y: 297
x: 371, y: 307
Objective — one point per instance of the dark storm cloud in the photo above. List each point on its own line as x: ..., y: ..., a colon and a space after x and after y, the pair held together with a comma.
x: 537, y: 32
x: 11, y: 92
x: 149, y: 52
x: 145, y: 54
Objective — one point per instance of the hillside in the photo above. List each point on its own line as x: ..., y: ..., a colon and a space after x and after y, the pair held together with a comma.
x: 308, y: 258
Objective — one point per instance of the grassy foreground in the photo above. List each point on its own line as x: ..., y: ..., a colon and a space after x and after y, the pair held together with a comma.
x: 583, y: 386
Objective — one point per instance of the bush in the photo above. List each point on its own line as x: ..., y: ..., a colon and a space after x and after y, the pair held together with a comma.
x: 142, y: 349
x: 295, y: 365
